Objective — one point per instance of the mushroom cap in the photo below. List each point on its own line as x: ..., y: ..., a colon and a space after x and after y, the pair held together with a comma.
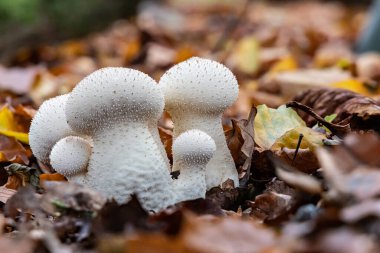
x: 70, y: 155
x: 113, y: 95
x: 200, y: 85
x: 193, y: 147
x: 48, y: 126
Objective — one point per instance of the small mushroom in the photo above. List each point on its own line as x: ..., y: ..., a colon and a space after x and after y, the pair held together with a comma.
x: 114, y: 106
x: 192, y: 150
x: 70, y: 157
x: 197, y: 92
x: 49, y: 126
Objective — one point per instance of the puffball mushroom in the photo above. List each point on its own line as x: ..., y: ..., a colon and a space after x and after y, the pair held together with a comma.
x: 192, y: 150
x: 197, y: 92
x: 70, y: 157
x: 114, y: 106
x: 49, y: 126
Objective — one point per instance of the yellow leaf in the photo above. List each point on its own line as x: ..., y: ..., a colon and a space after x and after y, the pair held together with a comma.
x: 355, y: 86
x: 270, y: 124
x: 8, y: 126
x: 246, y: 55
x: 285, y: 64
x: 311, y: 139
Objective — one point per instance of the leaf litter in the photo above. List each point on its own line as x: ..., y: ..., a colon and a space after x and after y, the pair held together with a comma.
x: 307, y: 159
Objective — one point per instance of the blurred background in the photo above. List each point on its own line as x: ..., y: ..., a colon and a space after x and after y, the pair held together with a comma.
x: 47, y: 46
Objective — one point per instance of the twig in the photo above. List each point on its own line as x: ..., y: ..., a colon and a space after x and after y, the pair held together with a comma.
x: 297, y: 148
x: 338, y: 130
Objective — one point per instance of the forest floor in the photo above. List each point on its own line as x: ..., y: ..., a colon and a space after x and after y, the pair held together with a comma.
x: 309, y: 171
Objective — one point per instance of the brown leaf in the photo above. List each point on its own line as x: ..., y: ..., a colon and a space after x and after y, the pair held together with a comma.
x: 292, y: 83
x: 305, y: 160
x: 225, y: 197
x: 241, y: 143
x: 361, y: 112
x: 204, y: 235
x: 269, y: 205
x: 115, y: 218
x: 347, y: 173
x: 12, y: 150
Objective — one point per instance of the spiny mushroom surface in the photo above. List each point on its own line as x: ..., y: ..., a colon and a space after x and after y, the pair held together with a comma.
x: 192, y: 150
x: 114, y: 106
x: 70, y: 157
x: 49, y: 126
x: 197, y: 92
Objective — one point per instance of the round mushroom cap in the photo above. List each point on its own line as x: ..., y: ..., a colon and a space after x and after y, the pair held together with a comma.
x: 200, y: 85
x: 113, y: 95
x: 194, y: 147
x: 70, y: 155
x: 48, y: 126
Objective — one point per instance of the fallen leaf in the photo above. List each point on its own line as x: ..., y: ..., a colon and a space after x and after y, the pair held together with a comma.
x: 270, y: 205
x: 361, y: 112
x: 246, y: 55
x: 310, y: 139
x: 12, y: 151
x: 240, y: 141
x: 270, y: 124
x: 222, y: 235
x: 9, y: 127
x: 116, y: 218
x: 287, y: 63
x: 368, y: 66
x: 356, y: 86
x: 357, y: 212
x: 299, y: 180
x: 22, y: 176
x: 291, y: 83
x: 18, y: 80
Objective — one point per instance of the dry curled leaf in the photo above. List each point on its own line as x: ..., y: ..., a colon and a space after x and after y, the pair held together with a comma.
x: 361, y: 112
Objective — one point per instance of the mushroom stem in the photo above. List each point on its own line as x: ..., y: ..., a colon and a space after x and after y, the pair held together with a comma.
x: 192, y: 151
x: 221, y: 167
x: 131, y: 150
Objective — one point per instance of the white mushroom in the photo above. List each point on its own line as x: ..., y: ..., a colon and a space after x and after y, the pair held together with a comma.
x: 192, y: 150
x: 70, y: 157
x: 48, y: 126
x: 197, y: 92
x: 114, y: 106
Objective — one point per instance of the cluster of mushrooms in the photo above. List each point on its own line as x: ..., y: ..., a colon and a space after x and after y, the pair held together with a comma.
x: 104, y: 133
